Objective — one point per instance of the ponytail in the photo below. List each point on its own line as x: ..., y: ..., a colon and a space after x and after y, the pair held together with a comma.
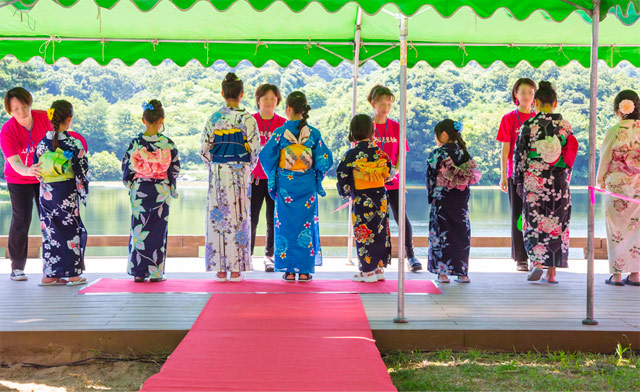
x: 298, y: 102
x: 305, y: 117
x: 55, y: 143
x: 462, y: 144
x: 59, y: 112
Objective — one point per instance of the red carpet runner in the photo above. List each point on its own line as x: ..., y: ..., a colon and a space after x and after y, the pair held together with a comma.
x: 276, y: 342
x: 106, y: 285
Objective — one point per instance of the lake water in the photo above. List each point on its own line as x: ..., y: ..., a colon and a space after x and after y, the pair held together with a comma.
x: 108, y: 212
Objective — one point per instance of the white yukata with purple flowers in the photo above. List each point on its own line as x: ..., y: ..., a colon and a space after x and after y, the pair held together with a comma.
x: 230, y: 146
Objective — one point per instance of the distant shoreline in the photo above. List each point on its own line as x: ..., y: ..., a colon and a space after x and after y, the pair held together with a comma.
x: 327, y: 183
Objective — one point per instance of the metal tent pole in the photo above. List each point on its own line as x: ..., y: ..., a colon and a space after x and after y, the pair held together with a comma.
x: 404, y: 21
x: 354, y: 105
x: 593, y: 102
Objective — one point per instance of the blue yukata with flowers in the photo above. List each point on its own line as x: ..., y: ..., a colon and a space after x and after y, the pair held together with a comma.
x: 295, y: 161
x: 449, y: 173
x: 150, y: 169
x: 63, y: 186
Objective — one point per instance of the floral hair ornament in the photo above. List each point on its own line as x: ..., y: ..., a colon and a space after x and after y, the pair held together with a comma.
x: 50, y: 113
x: 458, y: 126
x: 626, y: 106
x: 147, y: 106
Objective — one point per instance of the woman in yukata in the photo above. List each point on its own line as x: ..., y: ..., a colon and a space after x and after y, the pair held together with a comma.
x: 230, y: 146
x: 545, y: 152
x: 63, y: 186
x: 295, y: 160
x: 450, y: 171
x: 619, y: 172
x: 150, y: 169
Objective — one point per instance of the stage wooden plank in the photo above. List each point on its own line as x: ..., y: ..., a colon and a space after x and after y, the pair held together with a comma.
x: 494, y: 303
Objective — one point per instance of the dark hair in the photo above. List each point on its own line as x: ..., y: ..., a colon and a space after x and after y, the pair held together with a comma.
x: 546, y: 94
x: 361, y: 128
x: 380, y: 91
x: 297, y: 101
x: 631, y: 96
x: 62, y: 110
x: 232, y: 86
x: 448, y: 126
x: 520, y: 82
x: 18, y: 93
x: 263, y: 89
x: 152, y: 116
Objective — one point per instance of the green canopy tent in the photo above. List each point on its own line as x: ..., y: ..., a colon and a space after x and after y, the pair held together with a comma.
x: 383, y: 31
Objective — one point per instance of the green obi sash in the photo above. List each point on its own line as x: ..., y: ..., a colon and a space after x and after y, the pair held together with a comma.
x: 55, y: 166
x: 560, y: 162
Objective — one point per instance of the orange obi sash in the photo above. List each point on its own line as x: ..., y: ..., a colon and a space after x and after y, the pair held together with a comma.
x: 297, y: 156
x: 367, y: 175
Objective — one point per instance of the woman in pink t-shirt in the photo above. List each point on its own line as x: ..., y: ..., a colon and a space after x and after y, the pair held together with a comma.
x: 18, y: 140
x: 522, y: 95
x: 267, y: 99
x: 386, y: 136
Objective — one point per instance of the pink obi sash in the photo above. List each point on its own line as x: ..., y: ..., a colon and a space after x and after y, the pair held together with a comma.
x: 151, y: 165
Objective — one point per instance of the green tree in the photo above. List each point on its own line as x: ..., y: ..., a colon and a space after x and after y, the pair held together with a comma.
x: 104, y: 166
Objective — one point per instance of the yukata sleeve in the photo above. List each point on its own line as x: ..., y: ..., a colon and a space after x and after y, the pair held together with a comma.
x: 174, y: 169
x: 253, y: 139
x: 392, y: 169
x: 127, y: 173
x: 606, y: 154
x: 206, y: 142
x: 520, y: 152
x: 433, y: 163
x: 80, y: 164
x: 344, y: 174
x: 570, y: 149
x: 38, y: 151
x: 269, y: 157
x: 322, y: 162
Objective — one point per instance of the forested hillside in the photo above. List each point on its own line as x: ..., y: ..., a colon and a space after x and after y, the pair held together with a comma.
x: 107, y: 102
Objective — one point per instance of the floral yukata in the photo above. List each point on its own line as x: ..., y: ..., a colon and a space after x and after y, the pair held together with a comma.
x: 449, y: 174
x: 150, y: 168
x: 63, y: 185
x: 295, y: 162
x: 230, y: 146
x: 545, y: 152
x: 362, y: 174
x: 619, y: 172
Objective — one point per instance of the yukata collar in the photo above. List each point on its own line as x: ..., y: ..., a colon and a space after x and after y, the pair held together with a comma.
x: 552, y: 116
x: 61, y: 135
x: 627, y: 121
x: 231, y: 109
x: 151, y: 138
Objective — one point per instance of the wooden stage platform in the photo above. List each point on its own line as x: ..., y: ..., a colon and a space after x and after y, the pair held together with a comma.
x: 498, y: 311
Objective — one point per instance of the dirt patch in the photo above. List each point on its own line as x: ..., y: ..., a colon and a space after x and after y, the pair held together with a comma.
x: 72, y: 371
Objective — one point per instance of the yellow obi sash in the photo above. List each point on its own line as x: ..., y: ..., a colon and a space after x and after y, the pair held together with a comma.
x: 55, y: 167
x: 367, y: 175
x: 297, y: 156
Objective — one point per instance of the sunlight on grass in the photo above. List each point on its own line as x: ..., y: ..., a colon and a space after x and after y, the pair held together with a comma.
x: 476, y: 370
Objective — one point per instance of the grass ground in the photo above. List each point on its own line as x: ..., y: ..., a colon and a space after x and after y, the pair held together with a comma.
x: 480, y: 371
x: 410, y: 371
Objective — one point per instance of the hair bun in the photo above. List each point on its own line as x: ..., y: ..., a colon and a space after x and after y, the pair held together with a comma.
x: 544, y: 85
x: 156, y: 104
x: 230, y: 77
